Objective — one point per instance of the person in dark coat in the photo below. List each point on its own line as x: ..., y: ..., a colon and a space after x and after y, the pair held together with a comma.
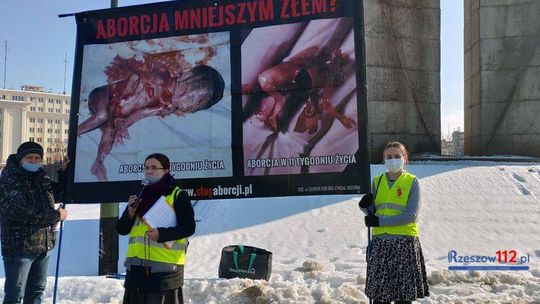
x: 156, y: 255
x: 27, y: 218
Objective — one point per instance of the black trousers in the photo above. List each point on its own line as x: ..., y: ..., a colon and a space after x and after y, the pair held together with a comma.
x: 174, y: 296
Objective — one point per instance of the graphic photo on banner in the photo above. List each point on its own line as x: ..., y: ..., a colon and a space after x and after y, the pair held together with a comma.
x: 168, y: 95
x: 245, y: 102
x: 299, y: 98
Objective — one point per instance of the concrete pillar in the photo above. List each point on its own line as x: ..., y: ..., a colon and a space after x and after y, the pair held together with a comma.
x: 403, y: 74
x: 502, y: 72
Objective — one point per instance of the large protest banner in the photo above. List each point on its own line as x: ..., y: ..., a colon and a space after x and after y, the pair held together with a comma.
x: 247, y: 98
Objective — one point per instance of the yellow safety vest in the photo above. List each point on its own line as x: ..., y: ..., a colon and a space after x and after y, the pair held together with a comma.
x: 392, y: 202
x: 142, y: 251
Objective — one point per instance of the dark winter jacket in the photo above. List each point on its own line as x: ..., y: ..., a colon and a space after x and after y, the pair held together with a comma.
x: 136, y: 278
x: 27, y: 211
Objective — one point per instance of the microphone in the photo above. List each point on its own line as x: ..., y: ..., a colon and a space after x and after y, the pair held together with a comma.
x: 144, y: 183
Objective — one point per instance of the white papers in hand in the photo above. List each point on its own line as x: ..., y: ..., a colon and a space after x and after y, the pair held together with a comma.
x: 161, y: 215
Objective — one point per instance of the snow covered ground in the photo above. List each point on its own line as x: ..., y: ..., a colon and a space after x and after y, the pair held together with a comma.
x: 319, y: 243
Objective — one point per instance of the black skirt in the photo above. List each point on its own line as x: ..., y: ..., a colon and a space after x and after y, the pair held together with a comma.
x: 160, y: 297
x: 396, y: 270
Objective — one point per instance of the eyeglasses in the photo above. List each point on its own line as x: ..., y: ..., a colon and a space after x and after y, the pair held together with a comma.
x: 152, y: 168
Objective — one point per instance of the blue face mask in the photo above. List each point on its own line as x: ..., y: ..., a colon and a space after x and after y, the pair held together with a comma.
x: 31, y: 167
x: 153, y: 179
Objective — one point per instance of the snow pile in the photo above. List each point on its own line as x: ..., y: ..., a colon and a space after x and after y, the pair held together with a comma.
x: 319, y: 243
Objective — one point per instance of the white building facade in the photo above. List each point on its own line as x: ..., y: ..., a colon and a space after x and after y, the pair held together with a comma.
x: 30, y: 114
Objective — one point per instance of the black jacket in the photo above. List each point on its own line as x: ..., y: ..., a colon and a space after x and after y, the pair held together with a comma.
x: 136, y: 278
x: 27, y: 211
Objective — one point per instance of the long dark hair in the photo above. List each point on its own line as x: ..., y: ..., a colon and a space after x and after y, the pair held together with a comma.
x: 161, y: 158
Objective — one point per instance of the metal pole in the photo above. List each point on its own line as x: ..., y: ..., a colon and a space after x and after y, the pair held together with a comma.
x: 5, y: 63
x: 65, y: 70
x: 108, y: 236
x: 368, y: 255
x: 58, y: 259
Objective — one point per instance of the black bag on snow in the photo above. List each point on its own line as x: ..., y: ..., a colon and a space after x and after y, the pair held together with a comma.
x: 238, y: 261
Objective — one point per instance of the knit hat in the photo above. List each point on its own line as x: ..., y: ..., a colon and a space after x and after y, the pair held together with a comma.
x: 27, y: 148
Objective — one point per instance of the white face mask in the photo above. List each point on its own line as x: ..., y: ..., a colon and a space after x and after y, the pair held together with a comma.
x: 394, y: 165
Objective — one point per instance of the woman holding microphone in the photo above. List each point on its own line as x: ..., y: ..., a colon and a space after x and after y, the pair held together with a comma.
x: 155, y: 272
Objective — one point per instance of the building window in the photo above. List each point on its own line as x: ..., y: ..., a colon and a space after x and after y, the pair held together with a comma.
x: 66, y: 101
x: 56, y: 131
x: 56, y: 140
x: 39, y: 139
x: 50, y: 110
x: 31, y: 139
x: 58, y: 111
x: 32, y: 129
x: 49, y: 130
x: 40, y: 109
x: 33, y: 109
x: 40, y: 119
x: 40, y: 99
x: 51, y: 100
x: 4, y: 97
x: 17, y: 98
x: 66, y: 131
x: 39, y: 130
x: 32, y: 99
x: 31, y: 119
x: 49, y: 149
x: 58, y: 101
x: 67, y: 111
x: 49, y: 121
x: 57, y: 121
x: 49, y: 140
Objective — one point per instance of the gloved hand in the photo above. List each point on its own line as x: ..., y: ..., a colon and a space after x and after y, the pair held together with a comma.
x: 371, y: 220
x: 366, y: 201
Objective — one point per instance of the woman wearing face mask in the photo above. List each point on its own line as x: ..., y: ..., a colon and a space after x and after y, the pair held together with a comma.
x: 396, y: 270
x: 155, y: 273
x: 27, y: 216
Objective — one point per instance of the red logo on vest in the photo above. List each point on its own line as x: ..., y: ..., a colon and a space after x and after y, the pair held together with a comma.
x: 399, y: 192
